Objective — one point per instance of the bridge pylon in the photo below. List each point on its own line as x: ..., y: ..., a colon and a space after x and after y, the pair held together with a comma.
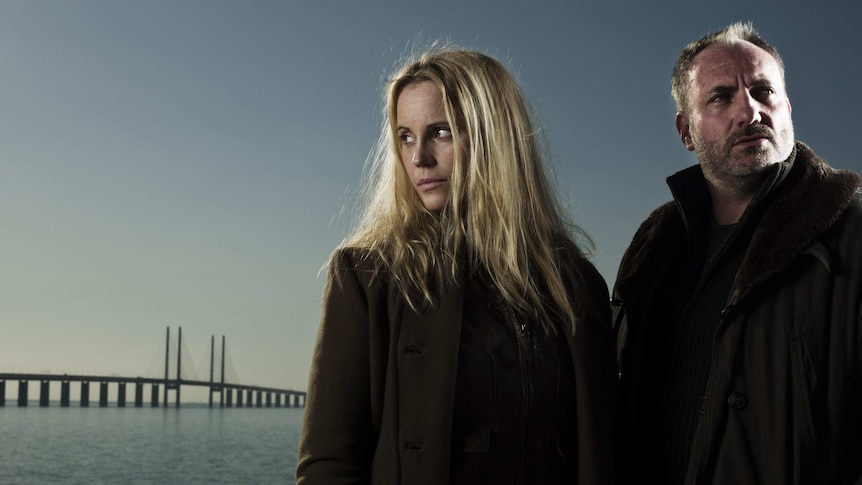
x: 217, y: 387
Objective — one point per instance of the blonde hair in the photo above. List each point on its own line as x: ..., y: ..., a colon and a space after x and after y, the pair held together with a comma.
x: 502, y: 216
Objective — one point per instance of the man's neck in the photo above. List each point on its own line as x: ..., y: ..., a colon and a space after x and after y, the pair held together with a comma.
x: 730, y: 198
x: 728, y: 206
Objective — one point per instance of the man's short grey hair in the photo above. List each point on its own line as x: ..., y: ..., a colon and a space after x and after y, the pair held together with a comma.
x: 735, y: 32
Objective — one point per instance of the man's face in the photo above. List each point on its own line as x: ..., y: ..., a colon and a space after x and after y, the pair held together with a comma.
x: 738, y: 120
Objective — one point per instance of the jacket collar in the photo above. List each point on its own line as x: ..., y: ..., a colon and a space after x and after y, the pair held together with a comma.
x: 805, y: 198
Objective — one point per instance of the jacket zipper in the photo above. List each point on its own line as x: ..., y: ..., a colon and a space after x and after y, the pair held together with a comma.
x: 699, y: 443
x: 522, y: 335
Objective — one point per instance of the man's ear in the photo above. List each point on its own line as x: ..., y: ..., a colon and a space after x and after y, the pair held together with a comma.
x: 684, y: 130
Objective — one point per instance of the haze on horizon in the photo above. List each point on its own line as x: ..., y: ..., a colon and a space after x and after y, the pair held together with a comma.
x: 193, y: 163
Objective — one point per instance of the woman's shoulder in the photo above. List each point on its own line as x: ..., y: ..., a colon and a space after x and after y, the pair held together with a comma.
x: 355, y: 258
x: 574, y: 257
x: 364, y: 264
x: 358, y: 258
x: 587, y: 282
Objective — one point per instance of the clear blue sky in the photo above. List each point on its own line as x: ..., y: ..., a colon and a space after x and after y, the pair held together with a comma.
x: 188, y: 163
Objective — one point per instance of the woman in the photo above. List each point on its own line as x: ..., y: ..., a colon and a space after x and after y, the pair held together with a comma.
x: 464, y: 337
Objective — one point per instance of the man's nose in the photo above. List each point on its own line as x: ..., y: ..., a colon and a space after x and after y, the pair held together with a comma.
x: 750, y: 110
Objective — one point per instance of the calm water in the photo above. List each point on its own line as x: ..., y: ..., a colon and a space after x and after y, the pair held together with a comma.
x: 148, y: 446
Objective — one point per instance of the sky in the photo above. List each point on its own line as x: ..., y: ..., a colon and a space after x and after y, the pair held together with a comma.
x: 193, y: 164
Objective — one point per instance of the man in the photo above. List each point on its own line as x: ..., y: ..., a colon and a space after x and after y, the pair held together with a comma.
x: 737, y: 305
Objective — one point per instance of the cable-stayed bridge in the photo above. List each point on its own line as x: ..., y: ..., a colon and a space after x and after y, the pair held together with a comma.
x: 154, y: 390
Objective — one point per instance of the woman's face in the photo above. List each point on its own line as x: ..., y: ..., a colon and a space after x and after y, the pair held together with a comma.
x: 427, y: 146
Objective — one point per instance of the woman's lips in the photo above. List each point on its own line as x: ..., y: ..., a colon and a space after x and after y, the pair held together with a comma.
x: 430, y: 183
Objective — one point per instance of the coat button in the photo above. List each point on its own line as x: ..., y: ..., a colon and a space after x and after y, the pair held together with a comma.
x: 737, y: 400
x: 414, y: 350
x: 413, y: 446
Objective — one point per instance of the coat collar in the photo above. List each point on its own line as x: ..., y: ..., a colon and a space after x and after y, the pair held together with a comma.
x: 806, y: 202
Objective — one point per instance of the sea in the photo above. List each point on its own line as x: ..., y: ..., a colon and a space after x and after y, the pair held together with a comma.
x: 190, y: 445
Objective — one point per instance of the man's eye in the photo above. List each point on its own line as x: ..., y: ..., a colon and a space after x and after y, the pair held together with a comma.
x: 764, y: 93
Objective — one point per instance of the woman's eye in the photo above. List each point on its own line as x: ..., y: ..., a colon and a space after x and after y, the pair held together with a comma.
x: 406, y: 138
x: 443, y: 133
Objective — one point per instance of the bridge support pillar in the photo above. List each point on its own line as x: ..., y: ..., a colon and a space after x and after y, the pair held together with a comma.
x: 64, y: 394
x: 259, y: 401
x: 121, y: 394
x: 22, y: 393
x: 2, y: 393
x: 139, y: 394
x: 239, y: 394
x: 229, y: 398
x: 278, y: 400
x: 268, y: 399
x: 44, y: 394
x: 85, y: 394
x: 217, y: 388
x: 249, y: 398
x: 154, y: 396
x: 103, y: 394
x: 175, y: 386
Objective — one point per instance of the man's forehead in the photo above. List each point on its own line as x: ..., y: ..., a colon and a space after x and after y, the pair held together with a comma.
x: 725, y: 62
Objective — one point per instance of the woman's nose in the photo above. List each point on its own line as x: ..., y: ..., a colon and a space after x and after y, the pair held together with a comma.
x: 422, y: 156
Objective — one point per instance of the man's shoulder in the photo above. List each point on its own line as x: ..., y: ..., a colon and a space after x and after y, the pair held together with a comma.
x: 853, y: 211
x: 662, y: 223
x: 818, y: 172
x: 655, y: 224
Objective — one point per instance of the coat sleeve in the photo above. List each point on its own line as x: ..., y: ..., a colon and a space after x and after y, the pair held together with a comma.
x: 338, y: 439
x: 596, y: 380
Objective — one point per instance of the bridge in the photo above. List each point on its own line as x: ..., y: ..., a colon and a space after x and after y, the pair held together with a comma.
x: 255, y: 396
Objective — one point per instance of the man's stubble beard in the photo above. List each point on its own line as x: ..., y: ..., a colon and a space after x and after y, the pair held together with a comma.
x: 741, y: 171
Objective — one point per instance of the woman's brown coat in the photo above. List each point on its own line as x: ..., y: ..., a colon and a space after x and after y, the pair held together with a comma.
x: 381, y: 390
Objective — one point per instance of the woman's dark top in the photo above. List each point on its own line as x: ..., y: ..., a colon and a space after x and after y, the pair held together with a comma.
x: 514, y: 415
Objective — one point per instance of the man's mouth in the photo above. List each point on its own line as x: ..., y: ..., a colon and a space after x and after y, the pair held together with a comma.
x: 753, y: 135
x: 751, y: 140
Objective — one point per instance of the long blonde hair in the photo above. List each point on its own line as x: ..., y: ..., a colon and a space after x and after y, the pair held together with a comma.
x: 502, y: 216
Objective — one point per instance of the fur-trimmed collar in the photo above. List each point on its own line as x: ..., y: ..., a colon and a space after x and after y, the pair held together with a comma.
x: 807, y: 202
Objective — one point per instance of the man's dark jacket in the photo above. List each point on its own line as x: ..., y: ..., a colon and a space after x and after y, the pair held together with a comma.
x: 784, y: 391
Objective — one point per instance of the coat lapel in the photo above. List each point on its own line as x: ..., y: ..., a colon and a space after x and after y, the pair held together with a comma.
x: 427, y: 366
